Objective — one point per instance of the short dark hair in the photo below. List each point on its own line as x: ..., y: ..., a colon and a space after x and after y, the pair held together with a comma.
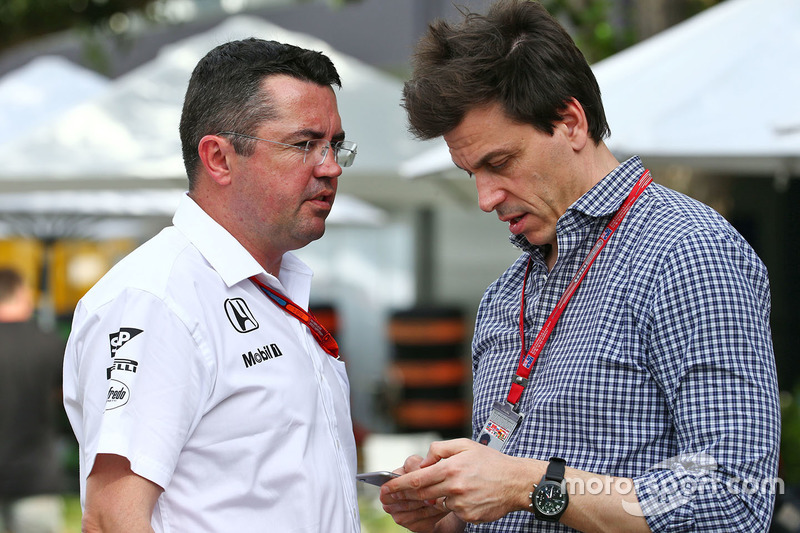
x: 224, y: 92
x: 10, y: 282
x: 517, y: 55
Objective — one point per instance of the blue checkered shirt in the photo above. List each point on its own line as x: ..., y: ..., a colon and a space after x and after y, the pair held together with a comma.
x: 660, y: 369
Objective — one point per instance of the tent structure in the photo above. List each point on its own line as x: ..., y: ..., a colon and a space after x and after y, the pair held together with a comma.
x: 717, y: 92
x: 98, y: 215
x: 160, y: 203
x: 128, y: 136
x: 42, y: 90
x: 111, y: 150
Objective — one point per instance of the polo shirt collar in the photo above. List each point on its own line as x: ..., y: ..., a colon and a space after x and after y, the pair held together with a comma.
x: 223, y: 252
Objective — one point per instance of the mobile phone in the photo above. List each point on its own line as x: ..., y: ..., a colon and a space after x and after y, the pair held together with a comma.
x: 376, y: 478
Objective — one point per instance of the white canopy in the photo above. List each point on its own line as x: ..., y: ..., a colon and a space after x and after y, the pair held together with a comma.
x: 150, y: 203
x: 42, y: 90
x: 128, y: 137
x: 716, y: 92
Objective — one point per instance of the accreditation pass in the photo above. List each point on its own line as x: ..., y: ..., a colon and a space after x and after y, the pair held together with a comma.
x: 503, y: 420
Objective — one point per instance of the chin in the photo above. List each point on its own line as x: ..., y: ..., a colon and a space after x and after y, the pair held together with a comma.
x: 316, y: 233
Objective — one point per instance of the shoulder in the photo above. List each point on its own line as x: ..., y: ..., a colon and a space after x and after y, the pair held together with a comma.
x: 155, y: 285
x: 152, y: 268
x: 670, y: 228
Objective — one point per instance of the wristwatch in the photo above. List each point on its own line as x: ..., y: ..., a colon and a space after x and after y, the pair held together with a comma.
x: 549, y: 498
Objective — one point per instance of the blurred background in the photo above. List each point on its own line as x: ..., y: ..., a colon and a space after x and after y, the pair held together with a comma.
x: 90, y: 97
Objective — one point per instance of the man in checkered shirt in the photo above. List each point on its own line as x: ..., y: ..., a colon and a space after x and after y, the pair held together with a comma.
x: 653, y: 405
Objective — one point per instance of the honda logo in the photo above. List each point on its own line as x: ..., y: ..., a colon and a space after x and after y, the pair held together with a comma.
x: 239, y: 314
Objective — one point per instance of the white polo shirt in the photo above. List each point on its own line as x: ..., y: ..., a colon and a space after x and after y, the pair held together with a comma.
x: 179, y: 363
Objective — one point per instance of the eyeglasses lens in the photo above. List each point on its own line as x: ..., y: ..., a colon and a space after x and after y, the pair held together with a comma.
x: 317, y: 150
x: 345, y: 153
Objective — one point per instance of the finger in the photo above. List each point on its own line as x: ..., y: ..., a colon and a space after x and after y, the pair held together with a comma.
x: 412, y: 463
x: 422, y: 519
x: 409, y: 486
x: 441, y: 504
x: 406, y: 499
x: 444, y: 449
x: 404, y: 506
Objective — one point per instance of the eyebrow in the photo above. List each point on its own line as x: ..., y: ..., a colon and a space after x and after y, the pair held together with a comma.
x: 314, y: 134
x: 485, y: 159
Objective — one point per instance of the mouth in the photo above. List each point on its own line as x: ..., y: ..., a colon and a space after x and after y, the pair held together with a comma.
x: 515, y: 223
x: 323, y: 200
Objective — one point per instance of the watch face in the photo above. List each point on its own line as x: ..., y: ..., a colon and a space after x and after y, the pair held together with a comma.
x: 549, y: 498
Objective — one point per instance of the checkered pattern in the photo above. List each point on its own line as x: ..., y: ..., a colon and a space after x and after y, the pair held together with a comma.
x: 664, y: 351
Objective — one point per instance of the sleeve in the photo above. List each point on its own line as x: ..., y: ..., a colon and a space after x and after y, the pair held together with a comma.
x: 710, y: 350
x: 144, y: 380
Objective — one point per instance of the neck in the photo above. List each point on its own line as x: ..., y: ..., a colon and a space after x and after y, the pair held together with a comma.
x: 603, y: 162
x: 550, y: 255
x: 270, y: 262
x: 596, y: 165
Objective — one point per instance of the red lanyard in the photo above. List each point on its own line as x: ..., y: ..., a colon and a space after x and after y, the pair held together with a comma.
x: 527, y: 360
x: 325, y: 339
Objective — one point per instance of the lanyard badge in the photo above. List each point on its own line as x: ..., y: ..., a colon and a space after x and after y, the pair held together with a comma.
x: 505, y: 418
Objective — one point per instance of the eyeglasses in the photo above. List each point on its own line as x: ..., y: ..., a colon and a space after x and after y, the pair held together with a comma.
x: 316, y: 150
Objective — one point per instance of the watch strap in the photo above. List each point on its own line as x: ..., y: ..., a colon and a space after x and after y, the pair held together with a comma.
x: 556, y: 469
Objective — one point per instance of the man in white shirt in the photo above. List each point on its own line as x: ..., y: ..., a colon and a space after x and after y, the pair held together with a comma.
x: 202, y: 395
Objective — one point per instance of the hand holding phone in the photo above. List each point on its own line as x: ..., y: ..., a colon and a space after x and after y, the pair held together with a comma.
x: 376, y: 478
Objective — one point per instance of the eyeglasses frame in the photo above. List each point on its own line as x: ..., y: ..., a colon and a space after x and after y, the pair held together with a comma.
x: 336, y: 145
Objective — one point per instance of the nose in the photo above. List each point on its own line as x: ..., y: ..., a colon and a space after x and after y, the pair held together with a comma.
x: 329, y: 168
x: 489, y: 194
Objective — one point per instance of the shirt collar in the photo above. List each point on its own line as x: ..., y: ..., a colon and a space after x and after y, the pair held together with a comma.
x: 223, y: 252
x: 607, y: 196
x: 604, y: 199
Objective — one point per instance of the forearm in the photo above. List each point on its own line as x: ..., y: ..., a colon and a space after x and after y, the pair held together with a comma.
x: 599, y: 504
x: 117, y: 499
x: 99, y: 522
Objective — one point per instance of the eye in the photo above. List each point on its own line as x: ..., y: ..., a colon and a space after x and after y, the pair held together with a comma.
x: 497, y: 165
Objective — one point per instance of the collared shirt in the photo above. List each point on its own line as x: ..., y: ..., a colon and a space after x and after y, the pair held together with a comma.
x: 178, y: 362
x: 661, y: 368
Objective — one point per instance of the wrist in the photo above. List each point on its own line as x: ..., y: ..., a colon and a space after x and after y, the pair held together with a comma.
x: 549, y: 498
x: 523, y: 480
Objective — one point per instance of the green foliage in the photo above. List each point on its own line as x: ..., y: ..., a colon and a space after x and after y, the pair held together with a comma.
x: 592, y: 22
x: 790, y: 437
x: 21, y: 20
x: 589, y: 23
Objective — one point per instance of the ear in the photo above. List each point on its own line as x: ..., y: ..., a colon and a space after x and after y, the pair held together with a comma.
x: 573, y: 120
x: 215, y: 153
